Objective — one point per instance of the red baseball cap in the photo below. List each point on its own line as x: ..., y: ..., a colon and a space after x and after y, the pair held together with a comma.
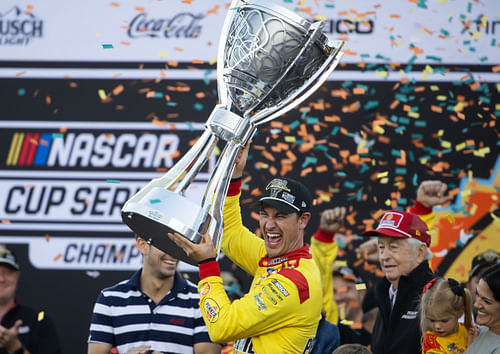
x: 397, y: 223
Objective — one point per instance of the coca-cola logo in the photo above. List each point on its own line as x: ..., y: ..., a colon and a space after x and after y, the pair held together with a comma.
x: 18, y: 27
x: 181, y: 25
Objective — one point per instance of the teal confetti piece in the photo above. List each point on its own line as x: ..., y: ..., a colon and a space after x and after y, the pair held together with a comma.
x: 346, y: 84
x: 21, y: 92
x: 493, y: 42
x: 330, y: 6
x: 400, y: 171
x: 445, y: 32
x: 364, y: 168
x: 395, y: 152
x: 294, y: 124
x: 415, y: 180
x: 404, y: 120
x: 57, y: 135
x: 190, y: 126
x: 484, y: 99
x: 432, y: 57
x: 158, y: 95
x: 335, y: 130
x: 400, y: 130
x: 364, y: 55
x: 112, y: 181
x: 171, y: 104
x: 349, y: 185
x: 107, y: 46
x: 309, y: 161
x: 312, y: 120
x: 321, y: 148
x: 469, y: 7
x: 402, y: 201
x: 420, y: 123
x: 198, y: 106
x: 380, y: 56
x: 370, y: 105
x: 154, y: 201
x: 340, y: 173
x: 411, y: 155
x: 417, y: 136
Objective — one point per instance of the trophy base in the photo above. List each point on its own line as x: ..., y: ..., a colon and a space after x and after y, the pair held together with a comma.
x: 161, y: 211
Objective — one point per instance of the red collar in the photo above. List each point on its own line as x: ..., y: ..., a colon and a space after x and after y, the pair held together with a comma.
x: 303, y: 252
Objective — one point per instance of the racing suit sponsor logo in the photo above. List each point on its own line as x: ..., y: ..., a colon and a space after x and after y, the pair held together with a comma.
x: 205, y: 289
x: 211, y: 310
x: 275, y: 292
x: 280, y: 287
x: 261, y: 306
x: 410, y: 315
x: 269, y: 296
x: 244, y: 346
x: 277, y: 260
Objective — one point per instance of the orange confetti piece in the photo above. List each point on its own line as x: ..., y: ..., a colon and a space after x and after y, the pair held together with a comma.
x: 358, y: 91
x: 138, y: 8
x: 125, y: 43
x: 436, y: 109
x: 118, y: 89
x: 394, y: 16
x: 20, y: 73
x: 197, y: 61
x: 495, y: 69
x: 58, y: 257
x: 115, y: 4
x: 5, y: 221
x: 349, y: 52
x: 213, y: 10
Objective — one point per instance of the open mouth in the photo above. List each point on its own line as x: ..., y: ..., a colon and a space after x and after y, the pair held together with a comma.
x: 273, y: 239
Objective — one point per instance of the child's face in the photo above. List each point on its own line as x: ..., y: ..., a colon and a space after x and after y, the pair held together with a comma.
x: 443, y: 326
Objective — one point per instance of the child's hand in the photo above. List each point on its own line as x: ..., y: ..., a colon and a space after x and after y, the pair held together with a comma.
x: 473, y: 332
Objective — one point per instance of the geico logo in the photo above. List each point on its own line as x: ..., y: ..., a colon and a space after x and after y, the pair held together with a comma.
x: 345, y: 25
x: 91, y: 150
x: 59, y: 200
x: 99, y: 253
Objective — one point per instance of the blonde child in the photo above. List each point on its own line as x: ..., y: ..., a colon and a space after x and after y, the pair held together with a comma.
x: 443, y: 303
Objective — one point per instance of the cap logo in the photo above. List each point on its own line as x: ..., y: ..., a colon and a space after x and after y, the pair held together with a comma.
x: 288, y: 197
x: 277, y: 185
x: 391, y: 220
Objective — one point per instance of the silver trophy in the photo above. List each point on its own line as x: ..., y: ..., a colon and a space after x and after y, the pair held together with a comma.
x: 269, y: 60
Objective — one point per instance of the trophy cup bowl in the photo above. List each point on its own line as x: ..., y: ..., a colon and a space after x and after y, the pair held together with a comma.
x: 269, y: 60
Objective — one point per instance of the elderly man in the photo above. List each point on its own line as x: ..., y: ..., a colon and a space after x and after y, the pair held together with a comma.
x: 281, y: 311
x: 403, y: 242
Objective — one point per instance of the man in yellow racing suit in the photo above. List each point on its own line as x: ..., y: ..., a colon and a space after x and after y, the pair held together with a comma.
x: 281, y: 311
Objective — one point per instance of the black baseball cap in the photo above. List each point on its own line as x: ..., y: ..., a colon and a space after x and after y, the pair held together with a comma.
x: 484, y: 259
x: 8, y: 257
x: 286, y: 195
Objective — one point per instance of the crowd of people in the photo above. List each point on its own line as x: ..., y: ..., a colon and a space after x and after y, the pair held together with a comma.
x: 302, y: 299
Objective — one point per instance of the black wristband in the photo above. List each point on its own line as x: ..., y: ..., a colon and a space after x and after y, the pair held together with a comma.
x: 236, y: 179
x: 207, y: 260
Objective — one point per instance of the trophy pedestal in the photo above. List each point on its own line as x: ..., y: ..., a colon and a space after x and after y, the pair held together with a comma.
x: 161, y: 211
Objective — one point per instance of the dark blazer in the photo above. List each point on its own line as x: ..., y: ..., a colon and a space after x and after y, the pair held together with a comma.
x: 398, y: 331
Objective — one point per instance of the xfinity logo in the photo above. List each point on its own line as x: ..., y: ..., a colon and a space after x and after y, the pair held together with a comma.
x: 181, y: 25
x: 18, y: 27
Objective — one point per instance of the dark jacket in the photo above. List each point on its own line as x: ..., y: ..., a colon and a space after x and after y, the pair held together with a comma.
x: 37, y: 333
x: 398, y: 332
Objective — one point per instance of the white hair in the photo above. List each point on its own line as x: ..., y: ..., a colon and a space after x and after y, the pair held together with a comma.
x: 414, y: 244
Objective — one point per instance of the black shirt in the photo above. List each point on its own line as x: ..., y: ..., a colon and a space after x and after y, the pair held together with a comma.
x: 37, y: 332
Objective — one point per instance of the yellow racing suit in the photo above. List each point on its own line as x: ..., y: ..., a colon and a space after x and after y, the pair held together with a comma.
x: 281, y: 311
